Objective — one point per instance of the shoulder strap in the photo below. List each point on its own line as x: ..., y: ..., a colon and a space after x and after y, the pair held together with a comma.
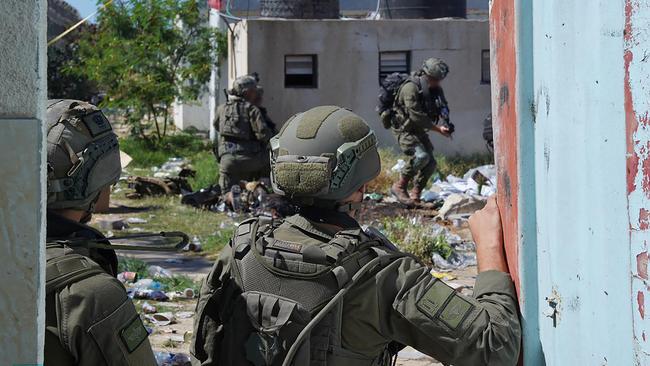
x: 64, y: 268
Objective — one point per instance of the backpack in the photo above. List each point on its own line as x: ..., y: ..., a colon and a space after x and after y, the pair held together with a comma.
x: 387, y: 94
x: 282, y: 304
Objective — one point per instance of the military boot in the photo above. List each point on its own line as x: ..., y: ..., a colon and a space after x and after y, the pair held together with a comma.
x: 398, y: 190
x: 415, y: 194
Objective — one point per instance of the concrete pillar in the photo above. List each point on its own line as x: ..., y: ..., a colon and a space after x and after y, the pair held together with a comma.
x: 22, y: 187
x: 219, y: 76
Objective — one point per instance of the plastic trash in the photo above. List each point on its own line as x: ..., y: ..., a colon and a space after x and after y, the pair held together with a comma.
x: 430, y: 196
x: 148, y: 308
x: 455, y: 261
x: 399, y: 166
x: 184, y: 314
x: 158, y: 296
x: 374, y: 196
x: 172, y: 359
x: 236, y: 197
x: 162, y: 319
x: 127, y: 277
x: 189, y: 293
x: 158, y: 271
x: 136, y: 220
x: 147, y: 284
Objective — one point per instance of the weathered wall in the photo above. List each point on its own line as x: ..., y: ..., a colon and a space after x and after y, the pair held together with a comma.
x: 637, y: 127
x: 580, y: 155
x: 22, y: 105
x: 348, y: 63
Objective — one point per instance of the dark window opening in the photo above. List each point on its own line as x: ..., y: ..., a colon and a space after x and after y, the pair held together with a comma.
x: 485, y: 67
x: 300, y: 71
x: 394, y: 61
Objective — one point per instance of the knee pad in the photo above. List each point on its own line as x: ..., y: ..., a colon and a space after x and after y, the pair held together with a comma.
x: 421, y: 158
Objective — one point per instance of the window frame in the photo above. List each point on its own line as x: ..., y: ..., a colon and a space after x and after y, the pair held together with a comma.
x: 408, y: 63
x: 314, y: 75
x: 485, y: 70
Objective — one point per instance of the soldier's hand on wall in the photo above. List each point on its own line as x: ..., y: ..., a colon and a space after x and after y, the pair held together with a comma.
x: 487, y: 232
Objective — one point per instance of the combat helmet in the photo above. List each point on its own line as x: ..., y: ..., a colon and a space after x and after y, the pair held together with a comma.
x: 322, y: 156
x: 243, y: 83
x: 83, y: 154
x: 436, y: 68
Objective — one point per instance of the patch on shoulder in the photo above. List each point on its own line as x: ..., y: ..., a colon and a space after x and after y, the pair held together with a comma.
x: 133, y: 334
x: 441, y: 303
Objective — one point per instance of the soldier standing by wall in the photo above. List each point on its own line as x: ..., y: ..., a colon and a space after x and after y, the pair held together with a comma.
x: 241, y: 145
x: 317, y: 289
x: 419, y: 106
x: 89, y: 318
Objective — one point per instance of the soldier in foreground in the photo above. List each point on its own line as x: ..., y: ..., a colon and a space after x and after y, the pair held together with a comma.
x: 89, y: 318
x: 419, y: 106
x: 241, y: 146
x: 317, y: 289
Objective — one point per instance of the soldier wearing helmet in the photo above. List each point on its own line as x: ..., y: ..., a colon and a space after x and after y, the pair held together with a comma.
x: 89, y: 319
x: 420, y: 106
x: 317, y: 289
x: 241, y: 146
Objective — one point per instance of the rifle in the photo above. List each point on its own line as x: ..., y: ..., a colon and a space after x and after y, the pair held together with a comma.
x: 100, y: 243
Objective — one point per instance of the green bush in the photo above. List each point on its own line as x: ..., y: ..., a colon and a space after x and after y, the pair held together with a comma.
x: 415, y: 238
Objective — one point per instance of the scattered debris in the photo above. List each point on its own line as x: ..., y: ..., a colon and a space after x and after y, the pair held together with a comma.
x: 112, y: 224
x: 158, y: 272
x: 148, y: 186
x: 458, y: 203
x: 136, y: 220
x: 148, y: 308
x: 172, y: 359
x: 399, y: 166
x: 204, y: 198
x: 161, y: 319
x: 125, y: 277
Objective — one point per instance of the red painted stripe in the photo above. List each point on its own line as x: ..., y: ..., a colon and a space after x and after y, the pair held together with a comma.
x: 504, y: 71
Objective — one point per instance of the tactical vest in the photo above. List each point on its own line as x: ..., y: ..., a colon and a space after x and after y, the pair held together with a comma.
x: 235, y: 122
x: 283, y: 305
x: 425, y: 98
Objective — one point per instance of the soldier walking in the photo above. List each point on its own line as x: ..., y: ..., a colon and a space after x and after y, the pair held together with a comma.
x: 420, y: 106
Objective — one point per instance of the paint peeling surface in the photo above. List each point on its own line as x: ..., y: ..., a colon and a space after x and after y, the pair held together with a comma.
x: 637, y: 110
x: 583, y: 251
x: 504, y: 115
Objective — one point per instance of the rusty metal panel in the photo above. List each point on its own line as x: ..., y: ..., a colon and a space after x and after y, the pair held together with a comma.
x: 637, y: 111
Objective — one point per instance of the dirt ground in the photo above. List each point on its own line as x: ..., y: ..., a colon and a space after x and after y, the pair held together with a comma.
x: 175, y: 337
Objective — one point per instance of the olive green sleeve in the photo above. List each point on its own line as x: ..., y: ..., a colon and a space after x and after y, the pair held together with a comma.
x: 418, y: 310
x: 206, y: 342
x: 100, y: 325
x: 415, y: 111
x: 215, y: 123
x: 258, y: 124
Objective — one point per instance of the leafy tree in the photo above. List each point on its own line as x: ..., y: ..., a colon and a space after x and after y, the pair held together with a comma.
x: 62, y: 84
x: 145, y: 54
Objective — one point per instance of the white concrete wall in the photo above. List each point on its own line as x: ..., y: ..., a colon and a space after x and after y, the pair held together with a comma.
x: 22, y: 187
x: 348, y: 67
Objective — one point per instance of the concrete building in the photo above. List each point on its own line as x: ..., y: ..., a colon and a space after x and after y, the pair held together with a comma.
x: 22, y: 187
x: 305, y: 63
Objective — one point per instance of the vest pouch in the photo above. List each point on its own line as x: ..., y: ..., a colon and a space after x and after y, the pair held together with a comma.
x: 235, y: 122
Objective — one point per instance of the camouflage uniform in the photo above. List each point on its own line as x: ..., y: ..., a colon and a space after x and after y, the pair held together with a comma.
x: 89, y: 321
x: 398, y: 302
x: 316, y: 289
x: 415, y: 119
x: 241, y: 146
x: 89, y: 318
